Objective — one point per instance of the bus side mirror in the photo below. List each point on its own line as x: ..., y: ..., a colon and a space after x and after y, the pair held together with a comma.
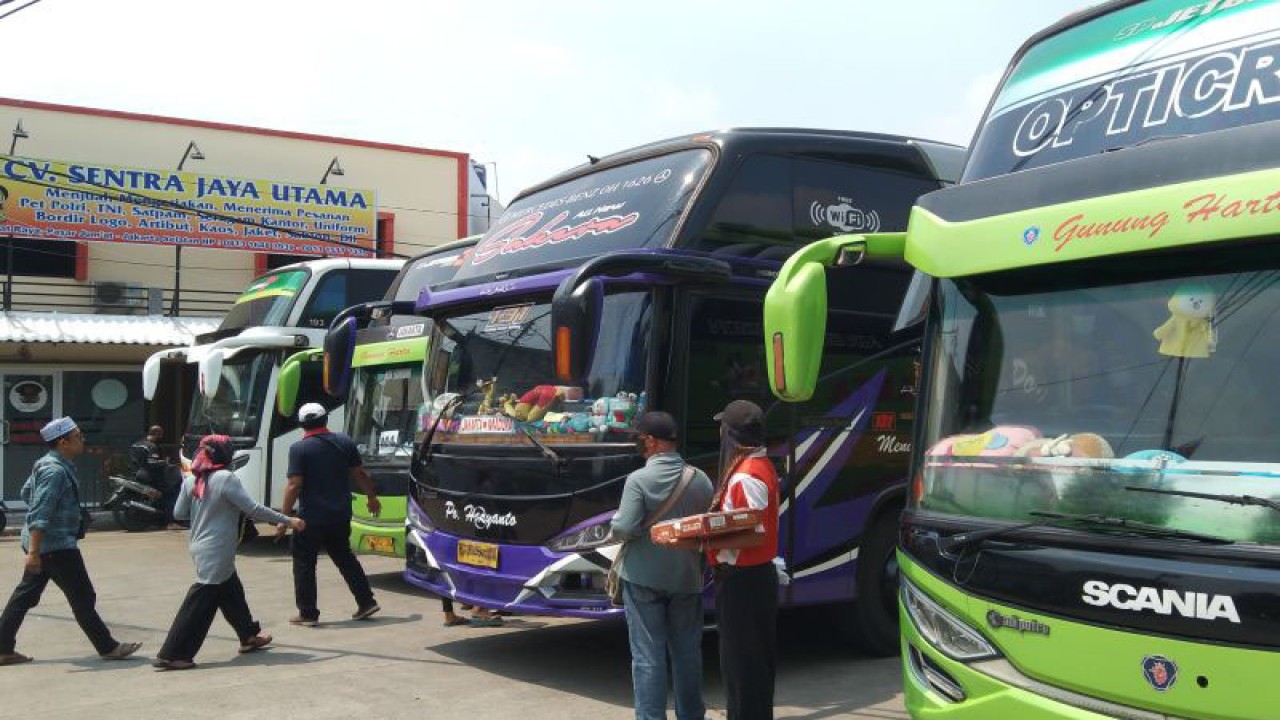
x: 795, y: 308
x: 291, y: 380
x: 209, y: 374
x: 575, y: 325
x: 151, y: 376
x: 339, y: 349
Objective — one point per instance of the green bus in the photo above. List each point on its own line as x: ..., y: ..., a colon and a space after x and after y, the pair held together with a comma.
x: 1093, y: 521
x: 378, y: 377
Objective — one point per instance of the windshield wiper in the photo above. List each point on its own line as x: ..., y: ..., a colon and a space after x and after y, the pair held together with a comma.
x: 972, y: 537
x: 447, y: 409
x: 1233, y: 499
x: 1133, y: 526
x: 547, y: 452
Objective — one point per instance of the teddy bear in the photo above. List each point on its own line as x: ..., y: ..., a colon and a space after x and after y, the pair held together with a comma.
x: 1189, y: 330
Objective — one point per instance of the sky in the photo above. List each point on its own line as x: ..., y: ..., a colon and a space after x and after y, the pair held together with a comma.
x: 533, y: 87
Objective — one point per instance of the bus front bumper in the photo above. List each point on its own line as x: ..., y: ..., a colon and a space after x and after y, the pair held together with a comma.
x: 528, y: 580
x: 385, y: 537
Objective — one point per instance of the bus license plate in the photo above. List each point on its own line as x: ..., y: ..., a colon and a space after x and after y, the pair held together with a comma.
x: 478, y: 553
x: 380, y: 544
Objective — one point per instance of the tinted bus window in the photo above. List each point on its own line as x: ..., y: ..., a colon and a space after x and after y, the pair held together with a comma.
x: 1142, y: 73
x: 341, y: 289
x: 630, y: 206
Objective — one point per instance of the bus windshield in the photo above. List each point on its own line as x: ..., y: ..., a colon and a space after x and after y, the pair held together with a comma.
x: 1073, y: 386
x: 635, y: 205
x: 237, y: 406
x: 382, y: 415
x: 267, y: 301
x: 490, y: 372
x: 1143, y: 73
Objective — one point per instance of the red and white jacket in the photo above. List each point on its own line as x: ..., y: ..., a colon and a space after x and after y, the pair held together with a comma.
x: 753, y: 485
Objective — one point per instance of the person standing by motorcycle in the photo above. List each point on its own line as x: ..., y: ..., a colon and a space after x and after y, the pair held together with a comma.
x: 151, y: 468
x: 213, y: 500
x: 49, y: 538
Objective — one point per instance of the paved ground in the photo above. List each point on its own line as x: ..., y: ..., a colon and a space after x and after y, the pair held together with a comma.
x: 401, y: 664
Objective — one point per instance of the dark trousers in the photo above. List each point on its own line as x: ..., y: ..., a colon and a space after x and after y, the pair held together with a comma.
x: 195, y: 616
x: 335, y: 540
x: 746, y: 613
x: 66, y: 569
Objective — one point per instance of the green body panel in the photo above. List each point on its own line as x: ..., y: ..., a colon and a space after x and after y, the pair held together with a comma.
x: 388, y: 524
x: 291, y: 377
x: 1244, y: 205
x: 1089, y: 660
x: 392, y: 351
x: 795, y: 310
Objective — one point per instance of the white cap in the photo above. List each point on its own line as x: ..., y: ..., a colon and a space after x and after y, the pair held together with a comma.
x: 57, y: 428
x: 311, y: 411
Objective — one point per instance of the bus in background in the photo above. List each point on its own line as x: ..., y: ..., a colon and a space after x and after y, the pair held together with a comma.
x: 377, y: 374
x: 239, y: 364
x: 1094, y: 515
x: 634, y: 283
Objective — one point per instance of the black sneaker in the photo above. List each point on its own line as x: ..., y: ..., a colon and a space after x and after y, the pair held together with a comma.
x: 365, y: 612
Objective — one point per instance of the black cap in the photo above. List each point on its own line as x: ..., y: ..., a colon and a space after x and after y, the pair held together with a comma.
x: 657, y: 424
x: 744, y: 421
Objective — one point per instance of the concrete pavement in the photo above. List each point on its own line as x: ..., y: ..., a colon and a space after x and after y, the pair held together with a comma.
x: 402, y: 663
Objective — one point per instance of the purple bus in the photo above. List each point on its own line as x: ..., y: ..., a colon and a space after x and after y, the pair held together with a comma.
x: 636, y: 282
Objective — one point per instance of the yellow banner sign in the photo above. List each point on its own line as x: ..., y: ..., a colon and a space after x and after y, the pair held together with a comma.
x: 53, y: 200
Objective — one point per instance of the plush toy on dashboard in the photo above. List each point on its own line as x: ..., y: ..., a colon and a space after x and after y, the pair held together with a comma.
x: 1079, y: 445
x: 1000, y: 441
x: 1189, y: 332
x: 613, y: 413
x: 533, y: 405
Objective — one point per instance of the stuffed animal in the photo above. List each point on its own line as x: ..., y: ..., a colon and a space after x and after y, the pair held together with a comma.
x: 1079, y: 445
x: 533, y: 405
x: 1000, y: 441
x: 1189, y: 330
x: 613, y: 413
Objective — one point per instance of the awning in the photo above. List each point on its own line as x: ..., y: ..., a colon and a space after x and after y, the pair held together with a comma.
x: 55, y: 327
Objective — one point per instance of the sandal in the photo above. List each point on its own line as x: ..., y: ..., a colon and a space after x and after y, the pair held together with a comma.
x: 456, y: 621
x: 14, y: 658
x: 257, y: 642
x: 163, y: 665
x: 121, y: 651
x: 492, y: 621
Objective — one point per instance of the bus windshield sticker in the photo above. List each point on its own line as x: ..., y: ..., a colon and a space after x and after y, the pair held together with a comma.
x: 507, y: 317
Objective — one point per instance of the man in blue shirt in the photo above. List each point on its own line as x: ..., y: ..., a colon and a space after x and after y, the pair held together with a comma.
x: 322, y: 467
x: 49, y: 536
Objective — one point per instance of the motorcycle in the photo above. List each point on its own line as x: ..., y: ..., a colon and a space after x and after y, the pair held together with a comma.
x: 135, y: 505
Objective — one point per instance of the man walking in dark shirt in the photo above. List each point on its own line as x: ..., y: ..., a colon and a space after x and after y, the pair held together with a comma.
x: 322, y: 465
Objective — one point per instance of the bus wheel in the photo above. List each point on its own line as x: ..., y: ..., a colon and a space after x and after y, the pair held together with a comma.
x: 874, y: 617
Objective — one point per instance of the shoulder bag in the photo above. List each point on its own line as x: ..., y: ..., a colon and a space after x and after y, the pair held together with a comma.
x: 613, y: 581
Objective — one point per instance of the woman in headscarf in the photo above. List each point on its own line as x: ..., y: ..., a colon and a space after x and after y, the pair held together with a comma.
x: 212, y: 499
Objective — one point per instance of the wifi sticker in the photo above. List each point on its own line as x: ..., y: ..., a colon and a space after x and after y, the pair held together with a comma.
x: 844, y: 216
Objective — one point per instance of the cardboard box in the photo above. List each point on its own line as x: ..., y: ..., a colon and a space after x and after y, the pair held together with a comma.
x: 705, y: 525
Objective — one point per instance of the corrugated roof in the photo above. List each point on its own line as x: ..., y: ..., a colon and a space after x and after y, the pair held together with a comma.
x: 54, y: 327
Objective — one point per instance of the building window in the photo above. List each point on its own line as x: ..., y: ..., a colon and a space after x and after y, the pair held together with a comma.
x: 39, y: 258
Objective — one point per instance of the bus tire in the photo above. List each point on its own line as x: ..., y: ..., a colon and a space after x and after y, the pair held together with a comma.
x: 874, y: 617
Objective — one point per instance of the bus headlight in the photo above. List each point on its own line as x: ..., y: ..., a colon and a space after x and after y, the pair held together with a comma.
x: 944, y: 631
x: 591, y: 536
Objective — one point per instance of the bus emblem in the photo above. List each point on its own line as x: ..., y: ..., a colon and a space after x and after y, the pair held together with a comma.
x: 1031, y: 235
x: 1160, y: 671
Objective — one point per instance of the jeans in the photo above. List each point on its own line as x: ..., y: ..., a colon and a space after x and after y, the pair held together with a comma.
x: 66, y: 569
x: 659, y: 624
x: 335, y: 540
x: 191, y: 625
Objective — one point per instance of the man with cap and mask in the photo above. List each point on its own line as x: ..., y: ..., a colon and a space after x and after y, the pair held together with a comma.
x: 662, y: 587
x: 322, y: 467
x: 746, y: 579
x: 49, y: 538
